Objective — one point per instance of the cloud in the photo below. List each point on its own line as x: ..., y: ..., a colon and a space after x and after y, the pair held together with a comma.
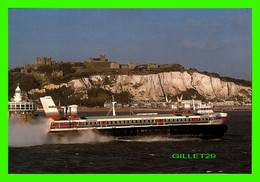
x: 215, y: 24
x: 194, y: 23
x: 212, y: 32
x: 205, y: 44
x: 237, y: 22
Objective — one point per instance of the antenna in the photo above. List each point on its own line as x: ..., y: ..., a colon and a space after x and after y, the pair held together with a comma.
x: 193, y: 103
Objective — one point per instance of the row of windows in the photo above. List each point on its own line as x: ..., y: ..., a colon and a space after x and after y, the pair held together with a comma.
x: 144, y: 121
x: 188, y: 119
x: 122, y: 122
x: 21, y: 106
x: 141, y: 121
x: 27, y: 107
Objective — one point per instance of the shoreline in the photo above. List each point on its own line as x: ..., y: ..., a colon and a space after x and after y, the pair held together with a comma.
x: 91, y: 109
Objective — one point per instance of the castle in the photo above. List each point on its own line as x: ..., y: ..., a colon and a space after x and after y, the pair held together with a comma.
x: 44, y: 61
x: 101, y: 59
x: 101, y: 62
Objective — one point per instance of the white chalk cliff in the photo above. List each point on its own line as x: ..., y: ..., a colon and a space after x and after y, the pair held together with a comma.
x: 149, y: 87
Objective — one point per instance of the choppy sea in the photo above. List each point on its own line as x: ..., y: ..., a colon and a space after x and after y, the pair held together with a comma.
x: 32, y: 151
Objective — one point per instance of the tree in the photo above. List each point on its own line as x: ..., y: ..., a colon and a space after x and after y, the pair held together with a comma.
x: 60, y: 94
x: 106, y: 81
x: 124, y: 97
x: 27, y: 82
x: 97, y: 97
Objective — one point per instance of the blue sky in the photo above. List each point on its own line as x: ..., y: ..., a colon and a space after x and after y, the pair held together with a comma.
x: 213, y: 40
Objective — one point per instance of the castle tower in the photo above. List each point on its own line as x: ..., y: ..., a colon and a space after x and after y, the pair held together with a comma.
x: 90, y: 59
x: 102, y: 58
x: 44, y: 61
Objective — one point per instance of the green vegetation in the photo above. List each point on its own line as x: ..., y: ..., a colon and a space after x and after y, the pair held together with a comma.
x: 106, y: 81
x: 124, y: 97
x: 243, y: 91
x: 78, y: 70
x: 43, y: 75
x: 241, y: 82
x: 97, y: 97
x: 27, y: 82
x: 187, y: 95
x: 66, y: 78
x: 64, y: 95
x: 66, y: 68
x: 60, y: 94
x: 143, y: 69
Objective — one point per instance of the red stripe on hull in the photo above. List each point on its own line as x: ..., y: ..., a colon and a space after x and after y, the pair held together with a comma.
x: 54, y: 116
x: 194, y: 119
x: 187, y: 112
x: 159, y: 120
x: 61, y: 124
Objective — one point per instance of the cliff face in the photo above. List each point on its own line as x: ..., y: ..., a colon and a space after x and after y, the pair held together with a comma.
x: 153, y: 86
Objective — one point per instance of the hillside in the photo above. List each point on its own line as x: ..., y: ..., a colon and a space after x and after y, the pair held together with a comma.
x: 84, y: 85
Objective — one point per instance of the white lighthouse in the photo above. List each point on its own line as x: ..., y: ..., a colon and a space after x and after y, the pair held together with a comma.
x: 17, y: 95
x: 17, y: 107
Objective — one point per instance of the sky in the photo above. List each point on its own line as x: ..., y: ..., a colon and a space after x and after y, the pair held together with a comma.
x: 213, y: 40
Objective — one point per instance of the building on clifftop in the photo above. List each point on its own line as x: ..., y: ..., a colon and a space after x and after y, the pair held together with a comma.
x: 101, y: 59
x: 39, y: 61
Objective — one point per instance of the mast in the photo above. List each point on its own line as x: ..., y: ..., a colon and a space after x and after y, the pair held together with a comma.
x: 113, y: 105
x: 193, y: 103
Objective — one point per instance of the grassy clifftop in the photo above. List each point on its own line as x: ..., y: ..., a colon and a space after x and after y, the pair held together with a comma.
x: 65, y: 72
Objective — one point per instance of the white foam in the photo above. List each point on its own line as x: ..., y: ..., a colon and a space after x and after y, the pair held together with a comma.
x: 22, y: 134
x: 158, y: 139
x: 25, y: 134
